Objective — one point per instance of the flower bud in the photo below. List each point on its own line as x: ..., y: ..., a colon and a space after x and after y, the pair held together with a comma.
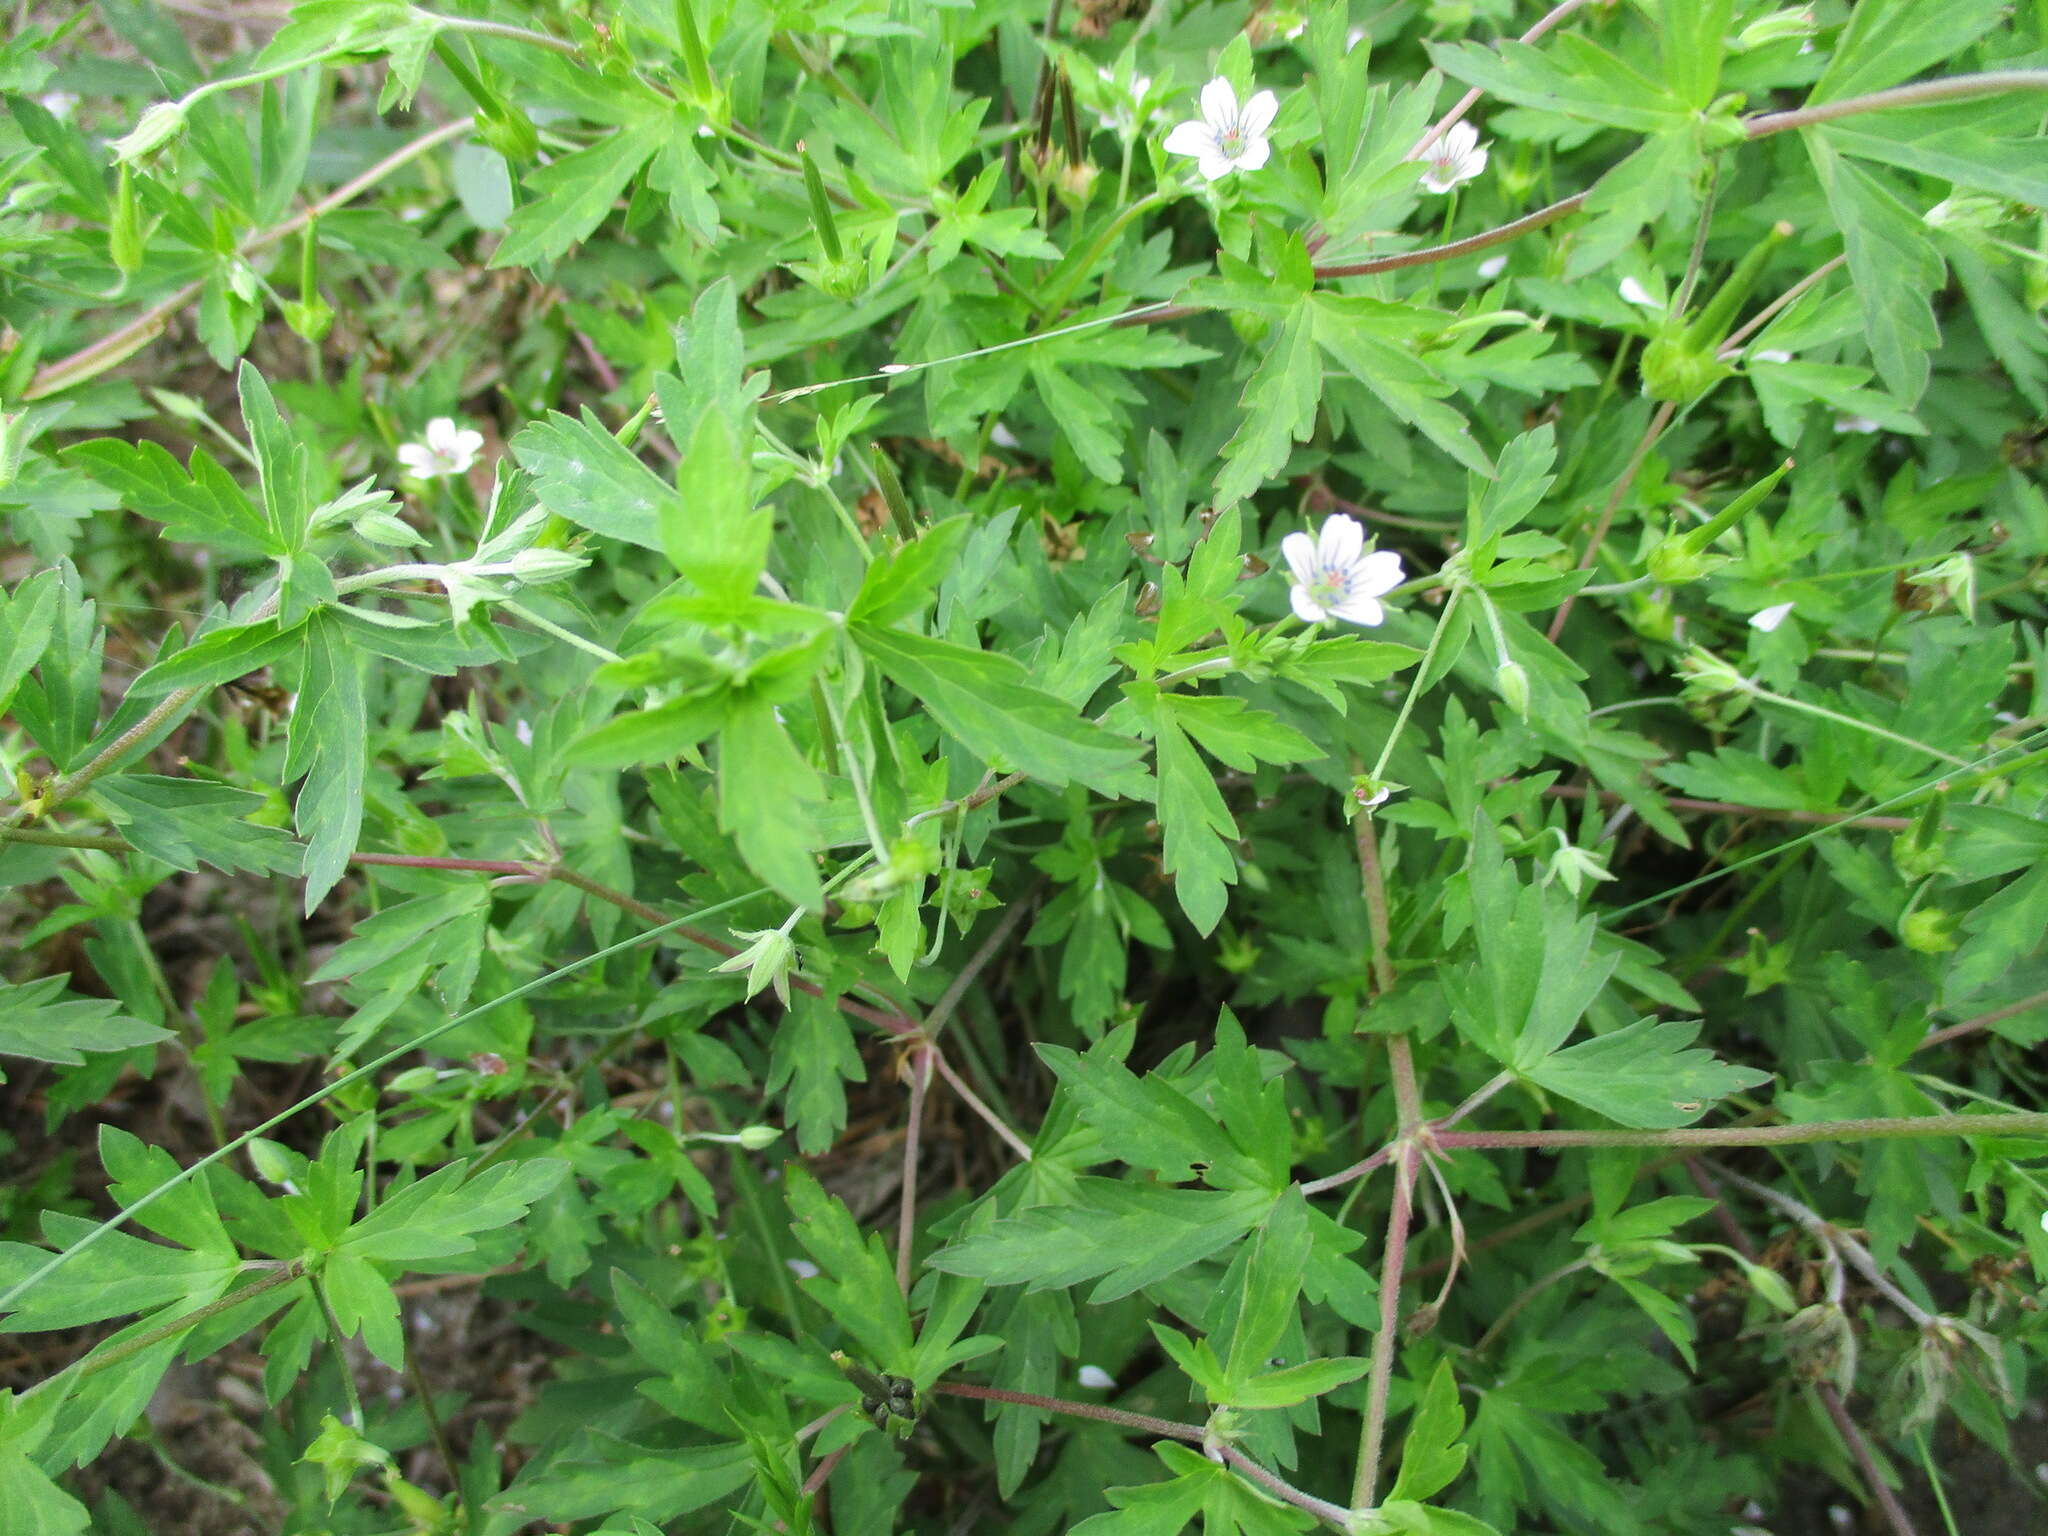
x: 308, y: 321
x: 1786, y: 26
x: 538, y: 567
x: 1928, y: 931
x: 1820, y: 1344
x: 1675, y: 368
x: 768, y: 959
x: 1513, y: 682
x: 157, y: 127
x: 758, y: 1138
x: 124, y: 226
x: 1675, y: 561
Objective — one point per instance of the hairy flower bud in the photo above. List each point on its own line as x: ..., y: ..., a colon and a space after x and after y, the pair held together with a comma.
x: 157, y: 127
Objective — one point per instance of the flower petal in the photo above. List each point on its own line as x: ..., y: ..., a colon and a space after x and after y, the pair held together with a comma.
x: 1219, y: 105
x: 468, y: 443
x: 1215, y: 167
x: 1341, y: 541
x: 1258, y: 113
x: 1361, y: 610
x: 1473, y: 163
x: 418, y: 458
x: 1458, y: 141
x: 1378, y: 573
x: 1255, y: 153
x: 1770, y: 618
x: 1306, y: 608
x: 1192, y: 138
x: 1299, y: 551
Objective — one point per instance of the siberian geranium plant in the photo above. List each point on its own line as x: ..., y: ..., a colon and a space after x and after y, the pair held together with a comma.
x: 855, y: 766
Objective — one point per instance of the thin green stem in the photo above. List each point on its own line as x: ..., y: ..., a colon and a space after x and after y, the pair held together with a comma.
x: 1443, y: 620
x: 336, y: 1341
x: 2029, y: 1124
x: 549, y: 626
x: 1766, y: 695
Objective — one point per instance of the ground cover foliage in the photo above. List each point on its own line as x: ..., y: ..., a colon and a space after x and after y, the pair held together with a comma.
x: 850, y: 765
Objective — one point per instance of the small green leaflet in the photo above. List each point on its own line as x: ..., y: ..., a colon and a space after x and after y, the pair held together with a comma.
x: 1124, y: 1236
x: 574, y: 194
x: 39, y: 1021
x: 584, y: 474
x: 1431, y: 1457
x: 199, y: 504
x: 1648, y: 1076
x: 985, y: 700
x: 27, y: 620
x: 184, y: 822
x: 856, y: 1282
x: 329, y: 749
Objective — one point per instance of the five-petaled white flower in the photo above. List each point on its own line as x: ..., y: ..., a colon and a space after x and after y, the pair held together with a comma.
x: 448, y: 450
x: 1334, y: 577
x: 1456, y: 156
x: 1226, y: 137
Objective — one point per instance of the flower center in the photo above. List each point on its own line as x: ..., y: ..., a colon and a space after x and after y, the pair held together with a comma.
x: 1231, y: 140
x: 1327, y: 588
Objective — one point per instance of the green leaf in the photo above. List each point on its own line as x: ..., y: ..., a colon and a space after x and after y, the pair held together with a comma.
x: 1278, y: 410
x: 218, y: 656
x: 856, y: 1282
x: 1198, y: 828
x: 814, y: 1058
x: 1370, y: 340
x: 1235, y: 736
x: 710, y: 528
x: 985, y: 700
x: 28, y: 617
x: 187, y: 822
x: 125, y: 1274
x: 766, y: 792
x: 572, y: 196
x: 199, y: 504
x: 1266, y: 1307
x: 435, y: 1217
x: 1887, y: 41
x: 584, y: 474
x: 1895, y: 267
x: 656, y: 1487
x: 1295, y: 1384
x: 1124, y: 1236
x: 1643, y: 1076
x: 284, y: 464
x: 1431, y: 1457
x: 38, y: 1020
x: 711, y: 359
x: 328, y: 748
x: 897, y: 584
x: 1570, y: 74
x: 36, y: 1506
x: 1147, y: 1121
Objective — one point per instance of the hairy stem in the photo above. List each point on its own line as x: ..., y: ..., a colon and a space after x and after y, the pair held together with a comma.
x: 2016, y: 1123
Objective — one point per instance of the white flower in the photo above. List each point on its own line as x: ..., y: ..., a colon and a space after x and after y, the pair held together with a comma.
x: 1122, y: 118
x: 1633, y: 292
x: 1771, y: 355
x: 1492, y: 267
x: 448, y: 450
x: 59, y: 104
x: 1353, y: 38
x: 1860, y: 424
x: 1334, y: 578
x: 803, y: 1269
x: 1095, y: 1378
x: 1770, y: 618
x: 1456, y: 156
x: 1226, y: 137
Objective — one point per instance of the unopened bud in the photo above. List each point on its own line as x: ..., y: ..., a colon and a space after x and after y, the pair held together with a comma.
x: 537, y: 567
x: 157, y: 127
x: 1513, y: 682
x: 758, y: 1138
x: 1785, y: 26
x: 1928, y: 931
